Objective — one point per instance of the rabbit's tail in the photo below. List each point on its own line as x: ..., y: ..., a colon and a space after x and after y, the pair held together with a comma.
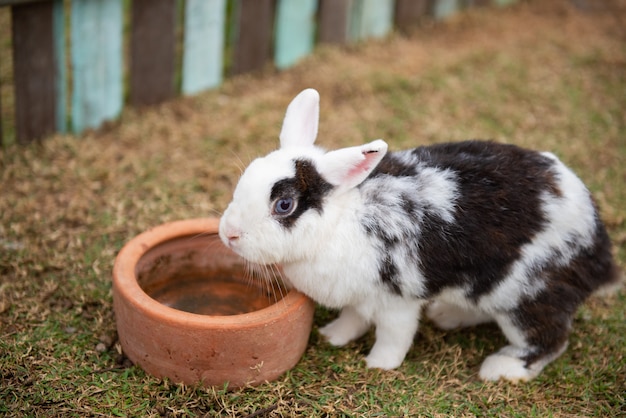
x: 613, y: 286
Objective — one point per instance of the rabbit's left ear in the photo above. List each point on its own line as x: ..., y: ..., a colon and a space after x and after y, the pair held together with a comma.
x: 301, y: 120
x: 348, y: 167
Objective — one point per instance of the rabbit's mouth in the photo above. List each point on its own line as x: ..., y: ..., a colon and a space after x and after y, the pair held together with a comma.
x: 258, y: 255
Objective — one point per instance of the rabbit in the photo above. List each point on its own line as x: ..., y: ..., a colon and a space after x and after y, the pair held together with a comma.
x: 470, y: 232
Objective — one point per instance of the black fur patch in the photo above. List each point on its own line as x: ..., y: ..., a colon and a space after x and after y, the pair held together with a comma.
x: 389, y: 274
x: 307, y: 188
x: 498, y: 211
x: 391, y: 165
x: 546, y: 319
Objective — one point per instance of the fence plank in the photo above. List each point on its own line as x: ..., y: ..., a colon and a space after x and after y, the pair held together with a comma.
x: 446, y: 8
x: 203, y: 52
x: 252, y: 34
x: 152, y: 46
x: 34, y: 71
x: 1, y: 128
x: 371, y: 19
x: 96, y: 34
x: 410, y: 12
x: 295, y: 31
x: 333, y: 20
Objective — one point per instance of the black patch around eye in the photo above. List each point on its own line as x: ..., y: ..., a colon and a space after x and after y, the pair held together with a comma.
x: 307, y: 188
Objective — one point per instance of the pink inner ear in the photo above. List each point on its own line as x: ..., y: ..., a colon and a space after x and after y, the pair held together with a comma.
x: 363, y: 165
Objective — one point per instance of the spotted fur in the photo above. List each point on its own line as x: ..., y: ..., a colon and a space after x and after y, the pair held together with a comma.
x: 475, y: 231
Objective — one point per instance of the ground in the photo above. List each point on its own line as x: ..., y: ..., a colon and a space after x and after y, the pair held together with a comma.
x: 542, y: 74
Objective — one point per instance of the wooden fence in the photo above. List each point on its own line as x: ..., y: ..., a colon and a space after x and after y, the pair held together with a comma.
x: 69, y: 63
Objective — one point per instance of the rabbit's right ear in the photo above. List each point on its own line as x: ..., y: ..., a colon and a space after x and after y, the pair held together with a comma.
x: 301, y: 120
x: 347, y: 167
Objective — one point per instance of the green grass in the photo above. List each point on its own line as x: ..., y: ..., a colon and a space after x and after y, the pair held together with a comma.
x: 542, y: 75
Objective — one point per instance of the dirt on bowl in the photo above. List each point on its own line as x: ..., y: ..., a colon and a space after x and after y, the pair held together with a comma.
x: 188, y: 309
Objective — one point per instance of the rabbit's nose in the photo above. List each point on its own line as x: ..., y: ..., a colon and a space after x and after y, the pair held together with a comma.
x: 232, y: 235
x: 228, y: 233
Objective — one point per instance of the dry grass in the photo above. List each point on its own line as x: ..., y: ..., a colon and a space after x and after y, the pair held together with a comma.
x: 540, y: 74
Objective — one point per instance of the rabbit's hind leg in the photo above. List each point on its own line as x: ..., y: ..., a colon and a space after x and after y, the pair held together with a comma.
x: 535, y: 342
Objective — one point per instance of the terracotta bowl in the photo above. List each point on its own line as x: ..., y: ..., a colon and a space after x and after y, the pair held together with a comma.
x: 186, y: 310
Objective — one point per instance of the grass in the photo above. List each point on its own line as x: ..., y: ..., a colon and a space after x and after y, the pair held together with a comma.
x: 541, y: 74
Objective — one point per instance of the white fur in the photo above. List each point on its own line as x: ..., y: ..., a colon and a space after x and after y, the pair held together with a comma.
x: 506, y: 364
x: 349, y: 326
x: 449, y: 316
x: 396, y: 320
x: 341, y: 252
x: 500, y: 366
x: 301, y: 121
x: 440, y: 189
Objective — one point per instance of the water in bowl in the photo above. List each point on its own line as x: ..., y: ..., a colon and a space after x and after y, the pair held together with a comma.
x: 211, y: 295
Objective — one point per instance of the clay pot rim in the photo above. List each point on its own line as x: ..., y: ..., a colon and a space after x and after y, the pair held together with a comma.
x: 127, y: 287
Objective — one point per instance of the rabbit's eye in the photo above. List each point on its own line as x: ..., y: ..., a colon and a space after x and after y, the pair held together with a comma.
x: 284, y: 206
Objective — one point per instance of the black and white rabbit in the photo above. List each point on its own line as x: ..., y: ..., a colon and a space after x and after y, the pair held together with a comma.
x: 475, y: 231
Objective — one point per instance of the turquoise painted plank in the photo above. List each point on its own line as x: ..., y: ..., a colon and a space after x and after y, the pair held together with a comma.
x: 371, y: 19
x: 96, y: 35
x: 377, y: 19
x: 58, y: 34
x: 355, y: 17
x: 203, y: 45
x: 295, y: 31
x: 446, y: 8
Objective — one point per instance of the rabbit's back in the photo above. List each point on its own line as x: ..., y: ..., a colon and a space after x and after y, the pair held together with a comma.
x: 492, y: 220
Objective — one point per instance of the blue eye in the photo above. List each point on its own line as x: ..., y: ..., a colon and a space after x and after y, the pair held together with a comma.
x: 284, y: 206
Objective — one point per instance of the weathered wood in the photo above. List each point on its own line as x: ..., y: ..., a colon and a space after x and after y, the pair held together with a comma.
x: 370, y: 19
x: 152, y: 46
x: 409, y: 13
x: 333, y: 20
x: 252, y: 34
x: 1, y: 128
x: 295, y: 31
x: 445, y: 8
x: 34, y: 71
x: 16, y: 2
x: 96, y: 38
x: 203, y: 53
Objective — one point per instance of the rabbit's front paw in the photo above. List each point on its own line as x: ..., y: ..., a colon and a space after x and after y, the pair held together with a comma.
x: 384, y: 359
x: 349, y: 326
x: 335, y: 334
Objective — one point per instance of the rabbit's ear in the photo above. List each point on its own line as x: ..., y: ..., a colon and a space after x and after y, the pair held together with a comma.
x: 301, y: 120
x: 348, y: 167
